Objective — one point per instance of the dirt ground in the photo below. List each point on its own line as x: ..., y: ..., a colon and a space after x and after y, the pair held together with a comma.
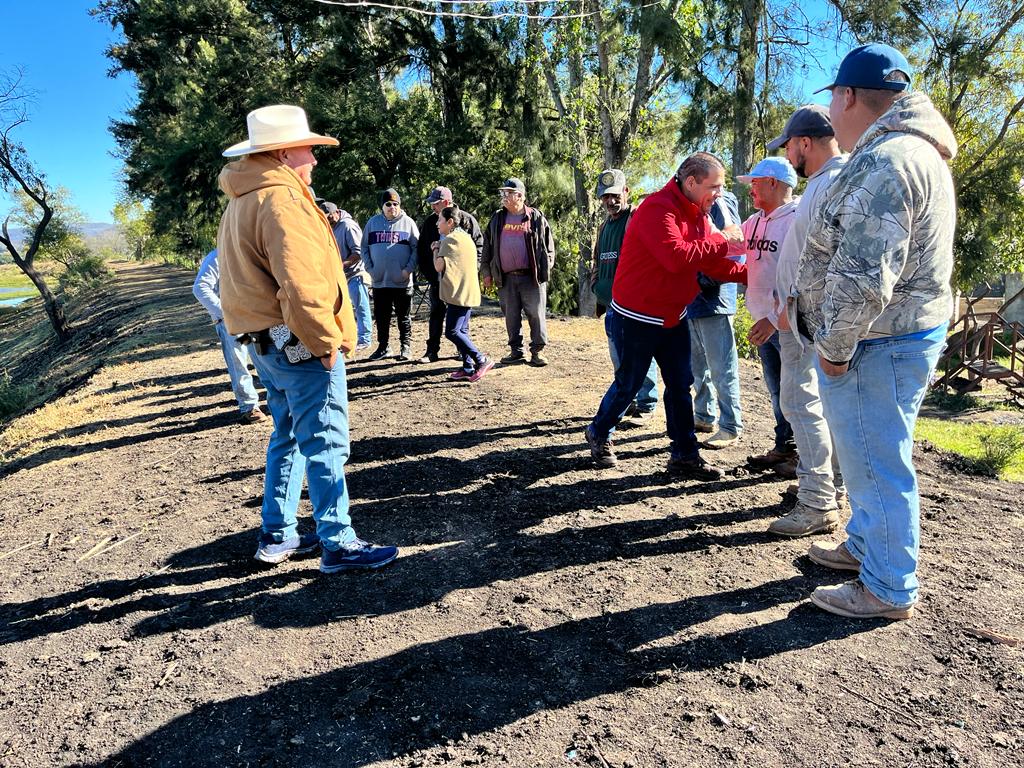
x: 542, y: 612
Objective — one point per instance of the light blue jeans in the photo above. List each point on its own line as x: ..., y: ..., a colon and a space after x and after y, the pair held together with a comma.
x: 818, y: 470
x: 716, y: 372
x: 871, y: 410
x: 361, y: 308
x: 310, y: 409
x: 646, y: 399
x: 236, y: 357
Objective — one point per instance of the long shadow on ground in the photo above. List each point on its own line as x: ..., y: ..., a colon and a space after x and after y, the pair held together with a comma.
x: 473, y: 683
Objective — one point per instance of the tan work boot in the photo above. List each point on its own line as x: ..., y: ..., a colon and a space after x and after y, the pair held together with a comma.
x: 723, y: 438
x: 803, y: 520
x: 854, y: 601
x: 833, y: 556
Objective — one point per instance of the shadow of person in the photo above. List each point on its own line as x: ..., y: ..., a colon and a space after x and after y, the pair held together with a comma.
x: 428, y: 693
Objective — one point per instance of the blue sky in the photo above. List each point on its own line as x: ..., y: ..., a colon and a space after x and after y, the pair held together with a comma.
x: 61, y: 49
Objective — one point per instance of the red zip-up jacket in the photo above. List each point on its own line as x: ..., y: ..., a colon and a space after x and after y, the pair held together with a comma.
x: 668, y: 241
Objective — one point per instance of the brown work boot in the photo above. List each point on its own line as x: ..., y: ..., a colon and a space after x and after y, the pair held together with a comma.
x: 833, y: 556
x: 695, y: 469
x: 791, y: 490
x: 786, y: 470
x: 601, y: 451
x: 253, y: 416
x: 771, y: 458
x: 804, y: 520
x: 855, y: 601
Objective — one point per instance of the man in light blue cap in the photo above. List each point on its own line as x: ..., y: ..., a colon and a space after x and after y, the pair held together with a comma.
x: 875, y: 299
x: 771, y: 189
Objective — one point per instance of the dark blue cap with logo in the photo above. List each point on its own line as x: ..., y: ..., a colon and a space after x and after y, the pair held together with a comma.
x: 872, y: 66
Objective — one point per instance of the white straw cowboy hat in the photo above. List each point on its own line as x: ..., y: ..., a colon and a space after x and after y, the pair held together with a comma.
x: 277, y: 127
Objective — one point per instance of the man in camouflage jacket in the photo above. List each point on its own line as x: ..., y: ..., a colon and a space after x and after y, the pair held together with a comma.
x: 874, y: 296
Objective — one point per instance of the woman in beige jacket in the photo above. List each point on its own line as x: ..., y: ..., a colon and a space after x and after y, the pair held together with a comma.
x: 455, y: 262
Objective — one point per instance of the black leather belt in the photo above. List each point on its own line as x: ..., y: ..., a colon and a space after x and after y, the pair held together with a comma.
x: 801, y: 326
x: 259, y: 339
x: 520, y: 272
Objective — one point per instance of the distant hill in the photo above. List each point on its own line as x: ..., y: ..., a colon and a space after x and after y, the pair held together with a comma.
x: 96, y: 234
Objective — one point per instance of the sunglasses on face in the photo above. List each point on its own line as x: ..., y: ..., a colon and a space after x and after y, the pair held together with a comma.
x: 389, y: 205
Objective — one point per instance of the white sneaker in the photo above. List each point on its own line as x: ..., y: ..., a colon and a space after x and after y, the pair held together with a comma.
x: 723, y: 438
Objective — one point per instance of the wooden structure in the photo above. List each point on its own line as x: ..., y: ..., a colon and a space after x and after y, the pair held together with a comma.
x: 984, y: 345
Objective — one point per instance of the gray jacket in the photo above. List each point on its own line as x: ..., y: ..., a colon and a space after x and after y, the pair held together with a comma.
x: 878, y: 259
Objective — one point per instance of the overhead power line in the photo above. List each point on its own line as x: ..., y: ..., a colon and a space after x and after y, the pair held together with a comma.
x: 468, y: 15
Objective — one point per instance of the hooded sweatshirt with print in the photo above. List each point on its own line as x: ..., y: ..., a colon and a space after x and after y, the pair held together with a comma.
x: 389, y: 250
x: 765, y: 234
x: 878, y: 259
x: 279, y: 260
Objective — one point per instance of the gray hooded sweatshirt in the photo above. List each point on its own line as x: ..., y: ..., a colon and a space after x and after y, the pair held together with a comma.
x: 878, y: 259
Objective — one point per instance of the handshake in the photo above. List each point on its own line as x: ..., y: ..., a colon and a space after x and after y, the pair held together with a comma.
x: 733, y: 234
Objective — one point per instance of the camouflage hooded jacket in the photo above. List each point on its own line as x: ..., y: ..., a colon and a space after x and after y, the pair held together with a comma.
x: 878, y: 259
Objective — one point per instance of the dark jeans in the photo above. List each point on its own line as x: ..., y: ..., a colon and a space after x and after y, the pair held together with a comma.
x: 456, y: 330
x: 670, y: 349
x: 383, y: 301
x: 771, y: 365
x: 435, y: 325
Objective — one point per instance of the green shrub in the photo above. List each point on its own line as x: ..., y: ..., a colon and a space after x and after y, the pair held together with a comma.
x: 999, y: 448
x: 87, y: 271
x: 742, y: 323
x: 13, y: 397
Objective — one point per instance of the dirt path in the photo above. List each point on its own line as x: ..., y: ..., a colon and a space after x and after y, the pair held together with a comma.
x: 543, y: 613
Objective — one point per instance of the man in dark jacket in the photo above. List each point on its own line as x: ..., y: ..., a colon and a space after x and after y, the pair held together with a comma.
x: 518, y: 254
x: 439, y: 199
x: 713, y: 356
x: 669, y: 240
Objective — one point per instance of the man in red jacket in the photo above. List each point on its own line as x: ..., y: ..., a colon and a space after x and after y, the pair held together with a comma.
x: 670, y: 239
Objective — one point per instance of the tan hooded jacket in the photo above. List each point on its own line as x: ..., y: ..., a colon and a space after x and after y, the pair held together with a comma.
x: 279, y: 261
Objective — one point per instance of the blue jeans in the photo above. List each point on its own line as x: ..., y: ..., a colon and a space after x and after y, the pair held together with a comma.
x: 871, y: 410
x: 456, y: 330
x: 771, y: 365
x: 670, y: 349
x: 716, y: 372
x: 310, y: 409
x: 236, y: 356
x: 647, y: 398
x: 361, y: 308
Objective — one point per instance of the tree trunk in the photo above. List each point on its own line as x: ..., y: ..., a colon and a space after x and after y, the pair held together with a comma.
x: 54, y: 307
x: 744, y: 110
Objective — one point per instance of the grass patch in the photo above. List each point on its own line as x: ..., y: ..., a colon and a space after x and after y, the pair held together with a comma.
x: 12, y: 277
x: 989, y: 450
x: 13, y: 397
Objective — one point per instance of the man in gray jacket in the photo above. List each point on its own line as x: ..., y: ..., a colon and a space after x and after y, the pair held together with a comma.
x: 874, y: 296
x: 812, y: 150
x: 389, y: 253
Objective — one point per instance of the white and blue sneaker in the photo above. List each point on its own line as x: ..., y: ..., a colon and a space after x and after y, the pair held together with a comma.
x: 273, y: 552
x: 355, y: 556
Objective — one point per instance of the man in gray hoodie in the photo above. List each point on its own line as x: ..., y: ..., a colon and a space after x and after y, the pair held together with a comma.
x: 874, y: 296
x: 389, y: 253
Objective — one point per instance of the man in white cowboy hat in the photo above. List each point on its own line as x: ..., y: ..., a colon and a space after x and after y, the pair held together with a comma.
x: 283, y: 289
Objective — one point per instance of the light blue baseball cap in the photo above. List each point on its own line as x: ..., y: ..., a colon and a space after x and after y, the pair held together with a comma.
x: 771, y: 168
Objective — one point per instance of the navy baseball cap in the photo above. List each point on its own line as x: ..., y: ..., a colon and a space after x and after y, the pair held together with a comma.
x: 872, y: 66
x: 513, y: 184
x: 439, y: 193
x: 810, y: 120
